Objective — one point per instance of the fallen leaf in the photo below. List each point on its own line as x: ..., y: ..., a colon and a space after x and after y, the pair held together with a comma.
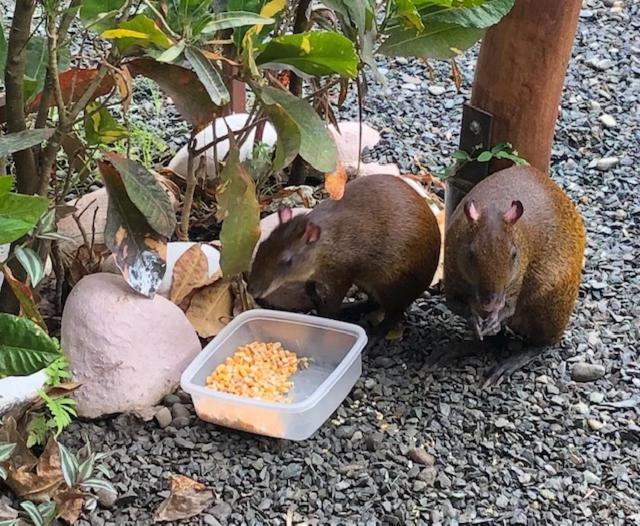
x: 335, y: 182
x: 242, y: 300
x: 210, y: 309
x: 455, y: 72
x: 124, y: 83
x: 69, y: 504
x: 190, y: 272
x: 188, y: 498
x: 37, y: 485
x: 437, y: 277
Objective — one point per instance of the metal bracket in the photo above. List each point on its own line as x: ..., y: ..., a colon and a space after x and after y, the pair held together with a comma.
x: 474, y: 135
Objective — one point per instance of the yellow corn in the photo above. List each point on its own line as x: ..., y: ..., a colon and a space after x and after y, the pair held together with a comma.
x: 258, y: 370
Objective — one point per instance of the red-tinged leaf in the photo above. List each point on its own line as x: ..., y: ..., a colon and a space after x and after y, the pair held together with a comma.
x: 140, y: 252
x: 183, y: 86
x: 73, y: 84
x: 24, y: 294
x: 188, y: 498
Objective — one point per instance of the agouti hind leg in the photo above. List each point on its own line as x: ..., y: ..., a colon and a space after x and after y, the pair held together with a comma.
x: 514, y: 362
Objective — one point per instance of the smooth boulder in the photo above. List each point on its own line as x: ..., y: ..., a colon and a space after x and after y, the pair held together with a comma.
x: 127, y: 351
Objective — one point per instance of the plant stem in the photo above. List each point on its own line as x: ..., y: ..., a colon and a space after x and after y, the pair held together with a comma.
x: 25, y: 162
x: 183, y: 234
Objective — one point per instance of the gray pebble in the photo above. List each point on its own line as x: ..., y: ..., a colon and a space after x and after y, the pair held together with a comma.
x: 586, y: 372
x: 606, y: 163
x: 163, y: 417
x: 420, y: 456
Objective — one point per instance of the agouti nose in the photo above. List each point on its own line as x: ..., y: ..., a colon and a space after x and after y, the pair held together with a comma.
x: 492, y: 301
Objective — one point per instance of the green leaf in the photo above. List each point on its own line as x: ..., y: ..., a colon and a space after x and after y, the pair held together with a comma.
x: 3, y: 476
x: 17, y: 141
x: 9, y: 522
x: 232, y: 19
x: 439, y: 41
x: 240, y: 211
x: 247, y: 6
x: 317, y: 147
x: 86, y: 468
x: 208, y: 75
x: 146, y: 194
x: 30, y: 261
x: 19, y: 214
x: 62, y: 409
x: 146, y: 31
x: 479, y: 14
x: 24, y: 346
x: 408, y: 12
x: 38, y: 431
x: 6, y: 450
x: 6, y: 183
x: 100, y: 127
x: 33, y: 512
x: 99, y: 484
x: 139, y: 251
x: 35, y: 65
x: 461, y: 155
x: 288, y: 137
x: 314, y: 53
x: 69, y: 466
x: 172, y: 53
x: 484, y: 157
x: 100, y: 14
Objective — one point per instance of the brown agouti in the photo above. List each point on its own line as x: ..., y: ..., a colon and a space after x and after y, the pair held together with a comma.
x: 514, y: 250
x: 381, y: 236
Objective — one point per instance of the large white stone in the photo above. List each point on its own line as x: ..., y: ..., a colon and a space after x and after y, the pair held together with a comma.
x: 127, y: 351
x: 95, y: 202
x: 236, y: 122
x: 347, y: 142
x: 15, y: 390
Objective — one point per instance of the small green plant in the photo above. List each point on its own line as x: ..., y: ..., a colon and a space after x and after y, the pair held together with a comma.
x: 57, y: 412
x: 6, y: 450
x: 82, y: 476
x: 504, y: 150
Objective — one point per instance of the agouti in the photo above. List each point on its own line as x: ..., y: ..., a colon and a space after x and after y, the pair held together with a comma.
x: 514, y: 251
x: 381, y: 236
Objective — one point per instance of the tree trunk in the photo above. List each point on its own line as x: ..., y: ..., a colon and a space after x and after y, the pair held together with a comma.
x: 520, y: 74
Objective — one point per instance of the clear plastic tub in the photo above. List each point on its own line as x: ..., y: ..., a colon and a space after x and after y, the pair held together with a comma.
x: 333, y: 349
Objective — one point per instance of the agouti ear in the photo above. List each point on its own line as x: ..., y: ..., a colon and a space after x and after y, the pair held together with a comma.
x: 285, y: 215
x: 514, y: 213
x: 471, y: 211
x: 311, y: 233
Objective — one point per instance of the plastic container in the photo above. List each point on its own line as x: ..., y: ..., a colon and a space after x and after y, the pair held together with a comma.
x: 333, y: 349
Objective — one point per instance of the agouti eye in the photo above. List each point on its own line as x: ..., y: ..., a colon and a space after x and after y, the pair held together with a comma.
x: 287, y: 261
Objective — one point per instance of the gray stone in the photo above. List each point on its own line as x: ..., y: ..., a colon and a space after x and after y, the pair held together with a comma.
x: 587, y: 372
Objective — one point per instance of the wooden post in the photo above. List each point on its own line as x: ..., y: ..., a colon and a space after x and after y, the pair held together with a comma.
x: 520, y: 74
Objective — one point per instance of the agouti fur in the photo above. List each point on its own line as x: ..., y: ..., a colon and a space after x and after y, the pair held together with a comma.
x: 381, y: 236
x: 514, y: 251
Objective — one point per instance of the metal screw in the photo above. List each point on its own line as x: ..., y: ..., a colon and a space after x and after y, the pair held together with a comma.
x: 474, y: 127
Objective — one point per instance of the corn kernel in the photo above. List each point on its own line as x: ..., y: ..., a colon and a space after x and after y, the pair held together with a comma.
x: 258, y: 370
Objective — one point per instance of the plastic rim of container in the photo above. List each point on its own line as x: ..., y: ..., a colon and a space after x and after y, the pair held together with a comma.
x: 304, y: 319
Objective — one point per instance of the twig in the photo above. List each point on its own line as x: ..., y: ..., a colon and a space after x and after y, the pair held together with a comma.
x: 183, y: 234
x: 211, y: 144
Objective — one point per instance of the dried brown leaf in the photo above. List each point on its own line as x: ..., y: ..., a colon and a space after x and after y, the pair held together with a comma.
x: 210, y: 309
x: 188, y: 498
x: 124, y: 83
x: 39, y: 485
x: 190, y: 272
x: 457, y: 76
x: 69, y: 504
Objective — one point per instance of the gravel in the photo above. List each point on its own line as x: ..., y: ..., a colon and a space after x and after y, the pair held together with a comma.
x: 417, y: 446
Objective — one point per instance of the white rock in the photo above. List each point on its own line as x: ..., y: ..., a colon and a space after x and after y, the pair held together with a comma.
x: 379, y: 169
x: 605, y: 163
x: 127, y: 351
x: 17, y: 389
x: 437, y: 90
x: 236, y: 121
x: 174, y: 251
x: 409, y: 87
x: 608, y: 121
x: 347, y: 142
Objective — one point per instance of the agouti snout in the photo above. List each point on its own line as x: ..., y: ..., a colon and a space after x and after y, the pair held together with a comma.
x: 381, y: 236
